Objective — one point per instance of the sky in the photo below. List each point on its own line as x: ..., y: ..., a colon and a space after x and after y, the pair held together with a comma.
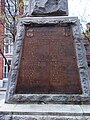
x: 80, y: 8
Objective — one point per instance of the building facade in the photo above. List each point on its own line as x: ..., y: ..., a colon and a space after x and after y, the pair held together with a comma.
x: 6, y: 39
x: 1, y: 41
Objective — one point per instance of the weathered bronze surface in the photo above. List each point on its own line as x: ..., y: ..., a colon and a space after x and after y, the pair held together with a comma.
x: 48, y: 62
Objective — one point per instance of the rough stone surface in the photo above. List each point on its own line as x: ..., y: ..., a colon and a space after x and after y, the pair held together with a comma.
x: 11, y: 97
x: 48, y: 8
x: 39, y: 117
x: 48, y: 118
x: 5, y: 117
x: 43, y: 111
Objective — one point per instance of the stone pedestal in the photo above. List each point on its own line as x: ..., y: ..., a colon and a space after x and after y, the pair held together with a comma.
x: 44, y: 112
x: 49, y: 72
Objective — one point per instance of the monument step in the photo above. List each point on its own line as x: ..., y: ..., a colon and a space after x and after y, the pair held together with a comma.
x: 37, y: 117
x: 43, y: 111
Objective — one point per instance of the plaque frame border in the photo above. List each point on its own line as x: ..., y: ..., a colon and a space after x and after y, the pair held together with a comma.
x: 83, y: 98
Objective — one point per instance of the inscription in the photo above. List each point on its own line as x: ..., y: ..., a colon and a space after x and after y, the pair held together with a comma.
x: 50, y: 63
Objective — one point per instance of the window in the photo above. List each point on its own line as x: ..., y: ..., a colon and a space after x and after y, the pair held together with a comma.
x: 10, y: 6
x: 6, y: 68
x: 12, y: 10
x: 8, y: 45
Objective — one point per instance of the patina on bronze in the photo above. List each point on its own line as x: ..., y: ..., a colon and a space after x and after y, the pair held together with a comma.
x: 48, y: 62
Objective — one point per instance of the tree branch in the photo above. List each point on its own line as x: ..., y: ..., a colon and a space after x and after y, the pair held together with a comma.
x: 5, y: 59
x: 9, y: 8
x: 2, y: 23
x: 7, y: 18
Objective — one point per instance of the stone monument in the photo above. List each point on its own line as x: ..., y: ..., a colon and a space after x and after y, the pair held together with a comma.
x: 48, y: 8
x: 49, y: 63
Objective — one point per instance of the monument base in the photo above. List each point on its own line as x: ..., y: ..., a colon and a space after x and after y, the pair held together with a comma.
x: 49, y: 62
x: 44, y: 112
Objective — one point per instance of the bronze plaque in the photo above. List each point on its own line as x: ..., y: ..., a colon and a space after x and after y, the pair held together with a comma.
x: 48, y: 62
